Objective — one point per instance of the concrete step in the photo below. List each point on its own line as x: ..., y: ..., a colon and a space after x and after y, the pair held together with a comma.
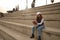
x: 50, y: 17
x: 1, y: 38
x: 4, y: 35
x: 53, y: 24
x: 44, y: 13
x: 46, y: 17
x: 50, y: 34
x: 16, y: 35
x: 22, y: 28
x: 43, y: 10
x: 28, y: 22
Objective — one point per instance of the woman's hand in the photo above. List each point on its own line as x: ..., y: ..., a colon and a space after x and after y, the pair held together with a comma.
x: 34, y: 22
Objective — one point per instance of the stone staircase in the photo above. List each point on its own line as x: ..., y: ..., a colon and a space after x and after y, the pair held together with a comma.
x: 21, y: 22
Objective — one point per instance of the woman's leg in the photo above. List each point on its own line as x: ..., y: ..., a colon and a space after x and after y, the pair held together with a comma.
x: 39, y: 29
x: 32, y: 30
x: 32, y: 33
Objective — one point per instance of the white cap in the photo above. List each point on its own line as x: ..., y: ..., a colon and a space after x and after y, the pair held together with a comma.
x: 38, y: 13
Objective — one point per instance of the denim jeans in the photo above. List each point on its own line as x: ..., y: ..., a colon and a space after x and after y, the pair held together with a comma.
x: 39, y: 30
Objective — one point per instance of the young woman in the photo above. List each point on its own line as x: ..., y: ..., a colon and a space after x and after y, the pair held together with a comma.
x: 39, y: 23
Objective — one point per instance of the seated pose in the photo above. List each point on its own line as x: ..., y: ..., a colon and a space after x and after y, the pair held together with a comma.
x: 39, y: 23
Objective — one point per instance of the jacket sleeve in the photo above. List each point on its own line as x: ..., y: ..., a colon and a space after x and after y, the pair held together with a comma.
x: 41, y: 22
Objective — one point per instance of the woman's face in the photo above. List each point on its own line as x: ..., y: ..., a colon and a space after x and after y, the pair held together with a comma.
x: 38, y: 15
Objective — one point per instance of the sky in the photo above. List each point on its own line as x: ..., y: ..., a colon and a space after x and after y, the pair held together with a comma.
x: 10, y: 4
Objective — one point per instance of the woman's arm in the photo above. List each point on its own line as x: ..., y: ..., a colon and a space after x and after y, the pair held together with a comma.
x: 41, y: 22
